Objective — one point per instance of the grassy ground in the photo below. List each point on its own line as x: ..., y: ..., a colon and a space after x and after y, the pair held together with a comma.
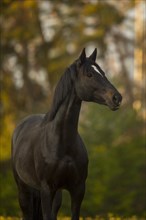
x: 110, y: 217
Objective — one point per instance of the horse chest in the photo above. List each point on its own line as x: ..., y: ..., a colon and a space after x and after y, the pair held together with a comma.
x: 67, y: 172
x: 64, y: 162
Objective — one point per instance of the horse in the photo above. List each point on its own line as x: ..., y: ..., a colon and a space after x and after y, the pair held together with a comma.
x: 48, y: 154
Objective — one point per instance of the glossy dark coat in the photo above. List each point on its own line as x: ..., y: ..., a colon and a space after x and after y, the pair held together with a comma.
x: 48, y: 154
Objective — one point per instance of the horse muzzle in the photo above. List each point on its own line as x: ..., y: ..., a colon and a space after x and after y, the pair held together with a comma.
x: 114, y: 101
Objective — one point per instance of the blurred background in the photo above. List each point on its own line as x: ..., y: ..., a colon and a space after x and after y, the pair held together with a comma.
x: 39, y: 39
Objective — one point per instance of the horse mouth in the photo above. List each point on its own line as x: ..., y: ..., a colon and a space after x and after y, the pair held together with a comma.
x: 114, y: 101
x: 113, y: 106
x: 110, y: 102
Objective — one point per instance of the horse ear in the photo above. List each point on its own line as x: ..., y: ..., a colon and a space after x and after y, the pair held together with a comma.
x: 82, y: 57
x: 93, y: 55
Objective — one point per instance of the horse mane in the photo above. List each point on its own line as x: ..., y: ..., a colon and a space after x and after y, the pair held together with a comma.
x: 63, y: 88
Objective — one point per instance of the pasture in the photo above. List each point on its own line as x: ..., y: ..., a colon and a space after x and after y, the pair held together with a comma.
x: 109, y: 217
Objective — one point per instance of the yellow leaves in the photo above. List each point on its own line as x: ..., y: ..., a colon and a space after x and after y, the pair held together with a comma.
x: 29, y: 4
x: 9, y: 218
x: 6, y: 1
x: 26, y: 5
x: 110, y: 217
x: 20, y: 20
x: 7, y: 126
x: 89, y: 9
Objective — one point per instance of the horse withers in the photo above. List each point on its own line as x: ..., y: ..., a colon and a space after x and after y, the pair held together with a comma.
x: 48, y: 154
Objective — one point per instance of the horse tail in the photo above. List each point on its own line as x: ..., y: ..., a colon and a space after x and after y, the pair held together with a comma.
x: 37, y: 210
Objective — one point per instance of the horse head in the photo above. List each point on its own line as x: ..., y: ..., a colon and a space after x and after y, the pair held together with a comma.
x: 92, y: 85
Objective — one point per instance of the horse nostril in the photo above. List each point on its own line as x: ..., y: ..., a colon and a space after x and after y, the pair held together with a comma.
x: 116, y: 99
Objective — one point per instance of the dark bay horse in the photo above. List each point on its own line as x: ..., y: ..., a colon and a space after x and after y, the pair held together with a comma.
x: 48, y: 154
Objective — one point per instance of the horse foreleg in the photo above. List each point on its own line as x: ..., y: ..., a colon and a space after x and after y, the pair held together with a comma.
x: 46, y: 202
x: 26, y: 203
x: 77, y: 195
x: 56, y: 204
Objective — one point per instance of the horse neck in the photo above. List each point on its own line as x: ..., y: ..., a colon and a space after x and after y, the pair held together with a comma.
x: 67, y: 116
x: 73, y: 111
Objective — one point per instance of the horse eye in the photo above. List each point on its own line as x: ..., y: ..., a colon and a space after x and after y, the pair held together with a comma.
x: 89, y: 74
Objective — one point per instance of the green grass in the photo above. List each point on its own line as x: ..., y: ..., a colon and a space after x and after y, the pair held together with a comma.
x: 110, y: 217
